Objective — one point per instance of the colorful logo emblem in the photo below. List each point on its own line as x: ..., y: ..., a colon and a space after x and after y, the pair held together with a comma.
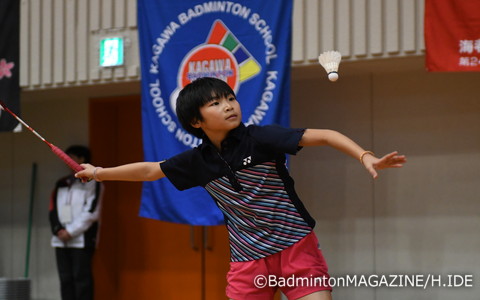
x: 222, y: 56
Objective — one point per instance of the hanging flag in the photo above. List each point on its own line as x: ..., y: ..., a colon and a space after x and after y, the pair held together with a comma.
x: 245, y: 43
x: 452, y: 35
x: 9, y: 53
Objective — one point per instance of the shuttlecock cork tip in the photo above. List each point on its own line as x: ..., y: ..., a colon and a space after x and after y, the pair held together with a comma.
x: 333, y: 76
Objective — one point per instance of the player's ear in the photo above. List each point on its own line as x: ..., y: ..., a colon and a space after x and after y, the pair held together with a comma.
x: 195, y: 123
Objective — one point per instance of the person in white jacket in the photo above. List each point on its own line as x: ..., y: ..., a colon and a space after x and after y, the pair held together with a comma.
x: 74, y: 215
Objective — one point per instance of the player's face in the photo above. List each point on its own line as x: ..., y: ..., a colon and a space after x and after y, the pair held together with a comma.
x: 221, y: 114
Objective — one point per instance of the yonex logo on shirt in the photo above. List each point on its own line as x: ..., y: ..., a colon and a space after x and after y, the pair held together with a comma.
x: 247, y: 160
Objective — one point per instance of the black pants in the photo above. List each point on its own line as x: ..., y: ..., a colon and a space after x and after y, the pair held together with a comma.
x: 75, y: 272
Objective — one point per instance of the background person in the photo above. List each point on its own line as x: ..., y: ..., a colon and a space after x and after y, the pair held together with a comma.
x: 74, y: 214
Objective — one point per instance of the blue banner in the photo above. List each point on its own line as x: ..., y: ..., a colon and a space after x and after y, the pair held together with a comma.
x: 245, y: 43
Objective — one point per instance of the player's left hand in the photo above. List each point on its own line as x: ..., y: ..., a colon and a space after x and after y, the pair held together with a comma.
x: 391, y: 160
x: 86, y: 174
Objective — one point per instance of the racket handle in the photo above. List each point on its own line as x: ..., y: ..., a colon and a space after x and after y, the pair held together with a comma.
x: 63, y: 156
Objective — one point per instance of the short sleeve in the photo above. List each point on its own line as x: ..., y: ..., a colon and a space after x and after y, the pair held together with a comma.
x: 180, y: 170
x: 278, y: 138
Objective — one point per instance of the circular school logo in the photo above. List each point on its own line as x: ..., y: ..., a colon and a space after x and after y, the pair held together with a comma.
x: 223, y: 56
x: 209, y: 61
x: 223, y: 53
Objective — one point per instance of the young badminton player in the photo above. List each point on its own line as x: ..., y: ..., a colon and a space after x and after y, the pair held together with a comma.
x: 243, y: 169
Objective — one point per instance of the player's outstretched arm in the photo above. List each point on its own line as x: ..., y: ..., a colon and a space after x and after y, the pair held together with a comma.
x: 326, y: 137
x: 140, y: 171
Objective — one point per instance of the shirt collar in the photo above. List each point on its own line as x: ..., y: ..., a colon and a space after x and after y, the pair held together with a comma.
x: 234, y: 134
x: 237, y: 133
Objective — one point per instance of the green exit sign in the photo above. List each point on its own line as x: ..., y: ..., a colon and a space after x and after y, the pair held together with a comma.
x: 111, y: 52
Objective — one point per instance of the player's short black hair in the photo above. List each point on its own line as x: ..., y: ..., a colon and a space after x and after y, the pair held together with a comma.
x: 79, y: 151
x: 196, y: 94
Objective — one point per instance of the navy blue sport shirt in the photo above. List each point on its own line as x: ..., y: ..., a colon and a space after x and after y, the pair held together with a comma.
x: 250, y: 183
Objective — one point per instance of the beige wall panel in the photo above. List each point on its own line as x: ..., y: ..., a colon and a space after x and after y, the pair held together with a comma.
x: 107, y: 74
x: 359, y: 34
x: 131, y: 13
x: 358, y: 29
x: 133, y: 71
x: 375, y: 27
x: 94, y: 44
x: 94, y: 11
x: 119, y: 73
x: 392, y: 28
x: 119, y: 17
x: 24, y: 43
x: 35, y: 35
x: 297, y: 32
x: 68, y: 48
x: 47, y: 42
x: 106, y: 19
x: 133, y: 64
x: 327, y: 28
x: 71, y: 39
x: 408, y: 25
x: 312, y: 24
x: 58, y: 42
x: 83, y: 45
x: 343, y: 32
x: 420, y: 8
x: 94, y: 74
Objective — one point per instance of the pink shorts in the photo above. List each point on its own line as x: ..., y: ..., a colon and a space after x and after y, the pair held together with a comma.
x: 297, y: 271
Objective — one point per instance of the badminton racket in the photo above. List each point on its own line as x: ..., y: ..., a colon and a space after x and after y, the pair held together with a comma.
x: 57, y: 151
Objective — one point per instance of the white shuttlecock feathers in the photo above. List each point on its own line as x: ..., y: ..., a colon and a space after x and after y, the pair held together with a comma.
x: 330, y: 60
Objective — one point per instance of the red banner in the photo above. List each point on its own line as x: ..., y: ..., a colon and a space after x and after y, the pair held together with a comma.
x: 452, y: 35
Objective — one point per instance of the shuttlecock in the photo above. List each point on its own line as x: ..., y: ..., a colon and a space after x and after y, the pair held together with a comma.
x: 330, y: 60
